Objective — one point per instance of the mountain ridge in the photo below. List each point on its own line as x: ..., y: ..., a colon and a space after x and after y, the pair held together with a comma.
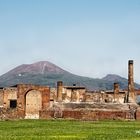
x: 47, y: 73
x: 37, y: 67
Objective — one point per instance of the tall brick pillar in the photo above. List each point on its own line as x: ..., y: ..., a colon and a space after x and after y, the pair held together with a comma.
x: 130, y: 81
x: 116, y: 92
x: 59, y: 91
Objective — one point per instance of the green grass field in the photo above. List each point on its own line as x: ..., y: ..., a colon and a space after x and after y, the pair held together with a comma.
x: 69, y: 130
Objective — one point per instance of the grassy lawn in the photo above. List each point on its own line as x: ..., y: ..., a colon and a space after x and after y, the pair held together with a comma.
x: 69, y: 130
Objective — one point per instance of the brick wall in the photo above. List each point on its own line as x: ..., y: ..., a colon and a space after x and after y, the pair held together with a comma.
x: 138, y: 115
x: 86, y: 115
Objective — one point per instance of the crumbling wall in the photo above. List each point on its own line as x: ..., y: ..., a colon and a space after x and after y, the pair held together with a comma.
x: 9, y: 114
x: 103, y: 97
x: 21, y: 96
x: 8, y: 95
x: 86, y: 115
x: 73, y: 95
x: 138, y: 115
x: 91, y: 111
x: 46, y: 114
x: 53, y: 94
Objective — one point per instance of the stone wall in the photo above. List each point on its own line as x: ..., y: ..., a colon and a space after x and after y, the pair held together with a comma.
x: 46, y: 114
x: 93, y: 115
x: 21, y: 97
x: 92, y: 111
x: 86, y: 115
x: 1, y: 97
x: 9, y: 114
x: 138, y: 114
x: 73, y: 94
x: 104, y: 97
x: 9, y: 94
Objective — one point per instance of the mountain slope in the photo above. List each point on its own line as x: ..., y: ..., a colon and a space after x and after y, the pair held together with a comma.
x: 123, y: 82
x: 41, y: 67
x: 46, y: 73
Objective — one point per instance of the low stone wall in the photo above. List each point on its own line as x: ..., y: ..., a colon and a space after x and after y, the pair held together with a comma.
x: 76, y: 114
x: 67, y: 114
x: 85, y: 115
x: 114, y: 115
x: 85, y: 105
x: 95, y: 115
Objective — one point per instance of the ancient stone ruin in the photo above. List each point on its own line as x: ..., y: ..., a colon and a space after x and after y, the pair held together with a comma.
x: 24, y: 101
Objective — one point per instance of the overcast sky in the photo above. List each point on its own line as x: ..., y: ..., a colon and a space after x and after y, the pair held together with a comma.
x: 86, y: 37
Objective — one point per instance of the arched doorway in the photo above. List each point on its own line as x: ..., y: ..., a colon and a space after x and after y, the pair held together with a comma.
x: 33, y: 103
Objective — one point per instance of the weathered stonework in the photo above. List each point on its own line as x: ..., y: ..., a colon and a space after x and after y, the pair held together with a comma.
x: 116, y: 92
x: 9, y: 94
x: 73, y: 94
x: 88, y: 115
x: 59, y: 91
x: 23, y: 91
x: 131, y: 94
x: 1, y: 97
x: 69, y: 102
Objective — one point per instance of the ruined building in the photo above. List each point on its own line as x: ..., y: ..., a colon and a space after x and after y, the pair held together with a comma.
x: 69, y: 102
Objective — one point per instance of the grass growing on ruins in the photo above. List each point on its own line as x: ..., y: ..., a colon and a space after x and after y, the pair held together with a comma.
x: 69, y: 130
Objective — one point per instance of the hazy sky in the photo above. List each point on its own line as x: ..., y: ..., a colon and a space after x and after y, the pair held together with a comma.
x: 86, y: 37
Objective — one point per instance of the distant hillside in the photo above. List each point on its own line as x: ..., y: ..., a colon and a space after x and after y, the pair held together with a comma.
x: 46, y: 73
x: 123, y: 82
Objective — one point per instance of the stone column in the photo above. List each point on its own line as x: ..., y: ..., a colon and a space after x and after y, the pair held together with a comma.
x: 116, y: 91
x: 59, y: 91
x: 130, y: 81
x: 78, y: 96
x: 72, y: 95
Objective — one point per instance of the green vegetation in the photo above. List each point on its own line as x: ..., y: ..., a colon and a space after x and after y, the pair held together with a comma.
x: 69, y: 130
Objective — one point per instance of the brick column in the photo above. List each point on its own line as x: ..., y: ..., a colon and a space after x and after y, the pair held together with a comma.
x: 130, y: 81
x: 116, y: 91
